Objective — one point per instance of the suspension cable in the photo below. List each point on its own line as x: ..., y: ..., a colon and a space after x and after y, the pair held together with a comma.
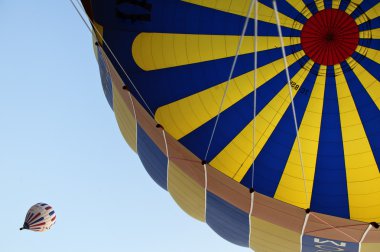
x: 291, y: 97
x: 254, y: 89
x: 113, y: 55
x: 230, y: 75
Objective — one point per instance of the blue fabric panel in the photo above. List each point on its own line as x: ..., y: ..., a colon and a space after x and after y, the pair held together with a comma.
x: 344, y: 4
x: 285, y: 8
x: 160, y: 87
x: 370, y: 43
x: 368, y: 112
x: 311, y: 5
x: 176, y: 16
x: 271, y: 161
x: 370, y: 24
x: 363, y: 8
x: 40, y: 219
x: 227, y: 221
x: 371, y: 66
x: 105, y: 78
x: 328, y: 4
x: 197, y: 141
x: 316, y: 244
x: 154, y: 161
x: 330, y: 194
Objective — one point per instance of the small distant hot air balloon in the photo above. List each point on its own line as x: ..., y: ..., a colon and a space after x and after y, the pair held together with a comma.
x: 39, y: 218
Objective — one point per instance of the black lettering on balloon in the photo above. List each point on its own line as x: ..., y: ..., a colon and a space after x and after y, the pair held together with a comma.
x: 295, y: 86
x: 133, y: 10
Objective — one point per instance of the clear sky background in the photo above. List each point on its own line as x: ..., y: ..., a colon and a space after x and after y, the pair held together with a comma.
x: 60, y: 144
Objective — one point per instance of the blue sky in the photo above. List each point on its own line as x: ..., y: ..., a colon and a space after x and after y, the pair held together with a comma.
x: 59, y: 143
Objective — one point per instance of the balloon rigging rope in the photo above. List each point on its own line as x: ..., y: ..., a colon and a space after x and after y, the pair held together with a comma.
x: 296, y: 126
x: 303, y: 230
x: 250, y: 218
x: 109, y: 48
x: 230, y: 76
x: 80, y: 14
x: 291, y: 97
x: 256, y: 27
x: 364, y: 236
x: 337, y: 229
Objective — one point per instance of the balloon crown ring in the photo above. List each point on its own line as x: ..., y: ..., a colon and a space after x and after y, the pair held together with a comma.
x: 330, y: 37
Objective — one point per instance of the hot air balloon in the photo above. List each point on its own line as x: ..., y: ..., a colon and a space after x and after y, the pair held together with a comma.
x: 39, y: 218
x: 260, y: 118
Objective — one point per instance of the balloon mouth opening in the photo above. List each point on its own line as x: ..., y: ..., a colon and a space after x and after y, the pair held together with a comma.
x: 25, y: 226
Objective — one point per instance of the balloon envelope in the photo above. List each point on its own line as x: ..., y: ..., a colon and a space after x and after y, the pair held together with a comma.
x: 167, y: 72
x: 39, y: 218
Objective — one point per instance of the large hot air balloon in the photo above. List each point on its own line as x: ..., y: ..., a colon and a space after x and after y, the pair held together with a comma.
x: 39, y: 218
x: 261, y: 120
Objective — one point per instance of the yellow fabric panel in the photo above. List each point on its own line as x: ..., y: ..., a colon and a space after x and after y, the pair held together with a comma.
x: 152, y: 51
x: 98, y: 32
x: 370, y: 247
x: 236, y: 158
x: 375, y: 33
x: 369, y: 82
x: 183, y: 116
x: 372, y: 13
x: 320, y: 5
x: 240, y: 7
x: 336, y: 4
x: 189, y: 195
x: 268, y: 237
x: 353, y: 5
x: 370, y: 53
x: 125, y: 119
x: 301, y: 7
x: 363, y: 178
x: 291, y: 188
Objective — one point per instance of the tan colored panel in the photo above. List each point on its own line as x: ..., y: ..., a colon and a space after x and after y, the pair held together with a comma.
x: 144, y: 119
x: 186, y: 161
x: 370, y: 247
x: 334, y: 228
x: 278, y: 213
x: 125, y: 117
x: 117, y: 82
x: 266, y: 236
x: 373, y: 236
x: 122, y: 106
x: 179, y: 155
x: 228, y: 189
x: 148, y: 124
x: 186, y: 192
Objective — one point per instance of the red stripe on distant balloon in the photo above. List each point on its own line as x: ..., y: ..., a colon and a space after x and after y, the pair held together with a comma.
x: 47, y: 208
x: 36, y: 225
x: 52, y: 219
x: 35, y: 217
